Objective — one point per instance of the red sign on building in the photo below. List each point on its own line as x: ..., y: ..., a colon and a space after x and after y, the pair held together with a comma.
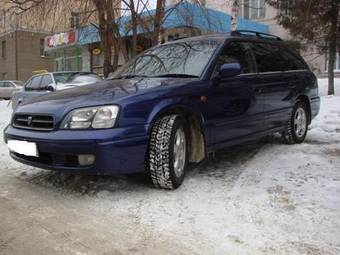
x: 61, y: 39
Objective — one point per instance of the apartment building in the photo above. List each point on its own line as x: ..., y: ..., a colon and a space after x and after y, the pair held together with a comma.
x: 21, y: 54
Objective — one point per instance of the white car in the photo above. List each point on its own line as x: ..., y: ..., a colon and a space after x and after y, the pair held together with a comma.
x: 44, y: 83
x: 7, y: 88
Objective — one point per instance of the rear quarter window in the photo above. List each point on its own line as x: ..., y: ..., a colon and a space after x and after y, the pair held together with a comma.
x: 294, y: 61
x: 268, y: 57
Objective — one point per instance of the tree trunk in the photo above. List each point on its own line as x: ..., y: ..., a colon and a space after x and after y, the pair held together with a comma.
x: 158, y: 21
x: 331, y: 62
x: 332, y: 47
x: 134, y: 27
x: 105, y: 17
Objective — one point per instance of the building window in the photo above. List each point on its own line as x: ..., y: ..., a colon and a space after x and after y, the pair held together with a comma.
x: 3, y: 50
x: 68, y: 60
x: 285, y: 6
x: 254, y: 9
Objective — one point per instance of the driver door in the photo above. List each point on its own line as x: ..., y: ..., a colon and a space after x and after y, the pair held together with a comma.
x: 236, y: 104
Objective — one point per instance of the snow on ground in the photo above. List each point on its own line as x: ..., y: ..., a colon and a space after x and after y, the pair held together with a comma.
x: 261, y: 198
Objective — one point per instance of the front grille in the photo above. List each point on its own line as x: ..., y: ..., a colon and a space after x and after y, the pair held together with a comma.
x: 33, y: 122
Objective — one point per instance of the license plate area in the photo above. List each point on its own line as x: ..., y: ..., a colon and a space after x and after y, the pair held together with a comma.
x: 23, y: 147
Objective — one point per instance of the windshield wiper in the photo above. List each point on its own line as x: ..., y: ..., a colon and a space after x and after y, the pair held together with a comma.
x: 129, y: 76
x: 177, y: 75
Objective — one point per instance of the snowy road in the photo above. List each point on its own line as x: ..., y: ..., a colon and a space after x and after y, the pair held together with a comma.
x: 260, y: 198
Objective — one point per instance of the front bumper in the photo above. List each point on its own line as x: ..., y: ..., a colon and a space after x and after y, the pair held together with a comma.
x: 117, y: 151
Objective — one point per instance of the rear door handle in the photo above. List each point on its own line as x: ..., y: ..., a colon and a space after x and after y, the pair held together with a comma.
x: 258, y: 90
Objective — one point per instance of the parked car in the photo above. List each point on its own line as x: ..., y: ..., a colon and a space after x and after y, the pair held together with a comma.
x: 44, y: 83
x: 7, y: 88
x: 171, y: 105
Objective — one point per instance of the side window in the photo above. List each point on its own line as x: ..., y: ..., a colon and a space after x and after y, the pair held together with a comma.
x: 268, y: 57
x: 1, y: 84
x: 46, y: 80
x: 8, y: 84
x: 27, y: 84
x: 293, y: 61
x: 34, y: 84
x: 236, y: 52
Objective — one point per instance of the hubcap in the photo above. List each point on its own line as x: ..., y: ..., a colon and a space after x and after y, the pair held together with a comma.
x: 300, y: 122
x: 179, y: 152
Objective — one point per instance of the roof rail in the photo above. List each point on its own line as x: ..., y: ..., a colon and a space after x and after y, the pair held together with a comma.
x: 254, y: 33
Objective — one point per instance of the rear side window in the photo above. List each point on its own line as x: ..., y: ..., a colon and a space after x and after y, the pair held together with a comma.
x: 34, y: 83
x: 293, y: 61
x: 1, y: 84
x: 268, y: 57
x: 236, y: 52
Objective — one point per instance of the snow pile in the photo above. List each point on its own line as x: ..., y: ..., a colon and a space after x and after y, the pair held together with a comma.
x: 323, y: 86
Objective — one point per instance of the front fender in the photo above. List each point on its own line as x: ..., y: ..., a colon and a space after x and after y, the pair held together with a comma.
x: 173, y: 104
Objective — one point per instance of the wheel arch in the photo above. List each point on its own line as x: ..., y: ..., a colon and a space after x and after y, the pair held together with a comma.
x: 194, y: 128
x: 306, y: 101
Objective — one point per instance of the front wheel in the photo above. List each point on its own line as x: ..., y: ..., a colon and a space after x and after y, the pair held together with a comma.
x: 297, y: 126
x: 167, y: 155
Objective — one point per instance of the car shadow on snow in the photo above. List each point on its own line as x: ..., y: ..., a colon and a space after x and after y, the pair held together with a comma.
x: 226, y: 163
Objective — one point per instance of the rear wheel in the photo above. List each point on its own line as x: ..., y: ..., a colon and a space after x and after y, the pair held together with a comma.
x: 297, y: 126
x: 167, y: 155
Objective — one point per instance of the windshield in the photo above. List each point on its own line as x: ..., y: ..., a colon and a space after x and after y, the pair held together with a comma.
x: 62, y: 77
x: 89, y: 78
x: 187, y: 59
x: 76, y: 78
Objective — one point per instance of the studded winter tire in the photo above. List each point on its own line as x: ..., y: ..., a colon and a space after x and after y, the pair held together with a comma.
x: 167, y: 154
x: 297, y: 126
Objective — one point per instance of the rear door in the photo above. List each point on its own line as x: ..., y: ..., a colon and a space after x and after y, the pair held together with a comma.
x: 276, y: 84
x: 235, y: 106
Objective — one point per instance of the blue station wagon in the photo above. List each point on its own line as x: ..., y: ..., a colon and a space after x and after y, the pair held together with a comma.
x: 170, y: 106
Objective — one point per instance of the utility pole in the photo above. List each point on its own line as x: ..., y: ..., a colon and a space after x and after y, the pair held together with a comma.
x: 234, y: 14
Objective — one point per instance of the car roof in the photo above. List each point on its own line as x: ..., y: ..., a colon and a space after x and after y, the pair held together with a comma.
x: 10, y: 81
x: 241, y: 34
x: 66, y: 72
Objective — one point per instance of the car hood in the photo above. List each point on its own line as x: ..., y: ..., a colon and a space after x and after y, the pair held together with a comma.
x: 100, y: 93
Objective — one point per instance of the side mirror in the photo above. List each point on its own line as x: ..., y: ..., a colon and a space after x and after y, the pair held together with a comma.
x: 50, y: 88
x: 230, y: 69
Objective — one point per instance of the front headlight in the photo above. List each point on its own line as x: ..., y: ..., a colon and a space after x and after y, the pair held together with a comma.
x: 92, y: 117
